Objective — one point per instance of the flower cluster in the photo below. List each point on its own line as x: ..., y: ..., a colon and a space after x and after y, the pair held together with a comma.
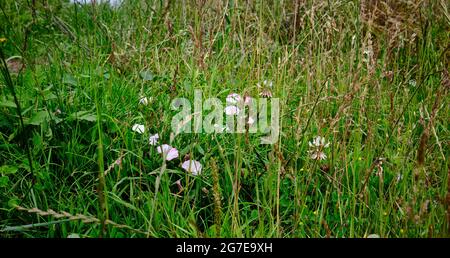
x: 233, y: 99
x: 168, y: 152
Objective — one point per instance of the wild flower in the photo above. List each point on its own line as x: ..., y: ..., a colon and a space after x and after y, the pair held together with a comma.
x: 192, y: 166
x: 268, y: 83
x: 143, y: 101
x: 153, y: 139
x: 266, y: 89
x: 247, y: 100
x: 168, y: 152
x: 138, y: 128
x: 232, y: 110
x: 233, y: 98
x: 317, y: 146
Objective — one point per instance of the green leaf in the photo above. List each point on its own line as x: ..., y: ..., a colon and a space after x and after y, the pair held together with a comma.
x: 84, y: 115
x: 146, y: 75
x: 200, y: 149
x: 4, y: 181
x: 254, y: 214
x: 69, y: 79
x: 187, y: 86
x: 38, y: 118
x: 49, y: 95
x: 7, y: 169
x: 7, y: 103
x: 13, y: 202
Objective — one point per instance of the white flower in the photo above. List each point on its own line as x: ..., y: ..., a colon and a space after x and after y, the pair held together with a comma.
x: 233, y: 98
x: 232, y: 110
x: 192, y: 166
x: 250, y: 120
x: 318, y: 155
x: 138, y: 128
x: 412, y: 83
x: 168, y: 151
x: 268, y: 83
x: 319, y: 142
x: 318, y: 145
x: 153, y: 140
x: 143, y: 101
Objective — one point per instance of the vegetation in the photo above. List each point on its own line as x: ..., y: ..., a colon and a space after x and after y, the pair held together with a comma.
x: 370, y: 77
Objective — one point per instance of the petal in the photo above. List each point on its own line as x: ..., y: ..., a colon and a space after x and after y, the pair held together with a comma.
x: 164, y: 148
x: 143, y: 101
x: 232, y: 110
x: 172, y: 154
x: 233, y: 98
x: 314, y: 155
x: 153, y: 139
x: 138, y: 128
x: 247, y: 100
x: 316, y: 141
x: 192, y: 166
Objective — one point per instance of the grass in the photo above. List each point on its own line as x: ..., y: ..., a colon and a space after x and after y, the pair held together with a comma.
x: 370, y: 77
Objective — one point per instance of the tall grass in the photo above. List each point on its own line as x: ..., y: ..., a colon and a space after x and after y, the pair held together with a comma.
x: 371, y: 77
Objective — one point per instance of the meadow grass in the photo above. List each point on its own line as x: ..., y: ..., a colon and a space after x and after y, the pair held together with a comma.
x: 371, y: 77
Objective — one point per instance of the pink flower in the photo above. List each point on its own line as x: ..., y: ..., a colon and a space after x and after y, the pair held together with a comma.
x: 192, y: 166
x: 233, y: 98
x: 247, y: 100
x: 232, y: 110
x: 169, y: 153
